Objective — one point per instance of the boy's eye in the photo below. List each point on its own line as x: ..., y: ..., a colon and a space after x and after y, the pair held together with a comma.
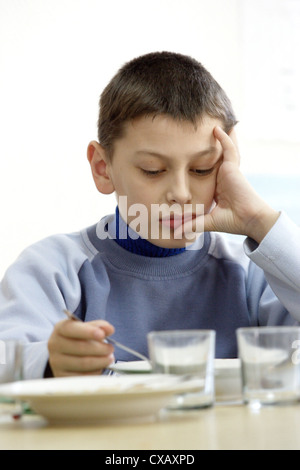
x: 195, y: 171
x: 151, y: 172
x: 203, y: 172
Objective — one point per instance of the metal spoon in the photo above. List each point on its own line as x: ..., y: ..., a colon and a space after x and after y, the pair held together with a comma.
x: 71, y: 316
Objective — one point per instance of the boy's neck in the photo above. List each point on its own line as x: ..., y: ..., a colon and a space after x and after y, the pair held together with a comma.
x: 141, y: 246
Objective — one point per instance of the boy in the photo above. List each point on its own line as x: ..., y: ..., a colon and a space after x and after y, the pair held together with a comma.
x: 167, y: 149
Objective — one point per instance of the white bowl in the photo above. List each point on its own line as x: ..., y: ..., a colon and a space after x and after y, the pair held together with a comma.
x: 98, y: 399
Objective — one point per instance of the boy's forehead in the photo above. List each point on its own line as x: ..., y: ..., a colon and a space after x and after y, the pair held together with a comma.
x: 151, y: 132
x: 167, y: 124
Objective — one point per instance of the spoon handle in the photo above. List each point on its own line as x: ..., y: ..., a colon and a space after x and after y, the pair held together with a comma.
x: 71, y: 315
x: 126, y: 348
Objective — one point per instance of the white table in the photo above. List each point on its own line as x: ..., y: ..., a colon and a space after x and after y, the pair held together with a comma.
x: 220, y: 427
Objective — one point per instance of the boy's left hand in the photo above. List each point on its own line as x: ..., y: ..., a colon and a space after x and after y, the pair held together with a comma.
x: 239, y: 209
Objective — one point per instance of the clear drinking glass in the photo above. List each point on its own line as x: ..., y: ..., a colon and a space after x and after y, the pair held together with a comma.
x: 11, y: 370
x: 270, y: 361
x: 189, y: 353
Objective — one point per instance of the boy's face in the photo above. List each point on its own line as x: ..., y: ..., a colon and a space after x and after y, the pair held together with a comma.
x: 163, y: 162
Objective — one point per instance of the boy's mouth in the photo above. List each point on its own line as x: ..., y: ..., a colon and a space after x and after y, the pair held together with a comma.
x: 174, y: 221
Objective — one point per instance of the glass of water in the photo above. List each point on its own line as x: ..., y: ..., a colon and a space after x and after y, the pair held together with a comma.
x: 270, y: 361
x: 189, y: 353
x: 11, y: 370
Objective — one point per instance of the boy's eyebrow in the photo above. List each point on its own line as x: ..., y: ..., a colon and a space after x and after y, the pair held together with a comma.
x: 201, y: 153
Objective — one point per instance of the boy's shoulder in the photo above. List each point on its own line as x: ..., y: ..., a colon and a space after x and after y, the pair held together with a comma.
x: 57, y: 250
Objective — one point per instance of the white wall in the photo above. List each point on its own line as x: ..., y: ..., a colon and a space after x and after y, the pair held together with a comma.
x: 56, y: 56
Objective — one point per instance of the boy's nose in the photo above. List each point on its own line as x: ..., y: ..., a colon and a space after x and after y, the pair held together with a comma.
x: 179, y: 190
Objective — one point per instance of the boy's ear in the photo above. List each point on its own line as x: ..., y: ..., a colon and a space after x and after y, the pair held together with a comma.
x: 97, y: 157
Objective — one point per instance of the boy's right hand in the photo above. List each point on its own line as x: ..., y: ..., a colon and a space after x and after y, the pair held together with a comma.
x: 77, y: 348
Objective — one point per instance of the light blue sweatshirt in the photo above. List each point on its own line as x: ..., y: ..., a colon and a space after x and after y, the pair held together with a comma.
x: 222, y: 285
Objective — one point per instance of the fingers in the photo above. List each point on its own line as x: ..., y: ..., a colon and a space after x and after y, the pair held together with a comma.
x: 77, y: 348
x: 229, y: 145
x: 96, y: 330
x: 233, y: 137
x: 67, y: 365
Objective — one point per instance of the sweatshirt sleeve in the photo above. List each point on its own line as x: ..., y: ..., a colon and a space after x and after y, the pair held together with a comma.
x: 33, y: 293
x: 278, y: 255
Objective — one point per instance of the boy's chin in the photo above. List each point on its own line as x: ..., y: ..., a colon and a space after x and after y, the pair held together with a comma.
x: 174, y: 243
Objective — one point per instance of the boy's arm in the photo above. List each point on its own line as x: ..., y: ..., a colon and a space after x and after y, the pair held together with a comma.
x: 239, y: 209
x: 33, y: 293
x: 279, y: 256
x: 273, y: 241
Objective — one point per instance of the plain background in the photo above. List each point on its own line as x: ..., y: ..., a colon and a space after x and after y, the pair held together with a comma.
x: 56, y: 56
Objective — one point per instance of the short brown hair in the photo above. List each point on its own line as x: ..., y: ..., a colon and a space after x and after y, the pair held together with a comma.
x: 160, y: 83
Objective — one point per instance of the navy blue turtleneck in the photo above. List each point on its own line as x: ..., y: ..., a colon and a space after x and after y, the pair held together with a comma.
x: 141, y: 246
